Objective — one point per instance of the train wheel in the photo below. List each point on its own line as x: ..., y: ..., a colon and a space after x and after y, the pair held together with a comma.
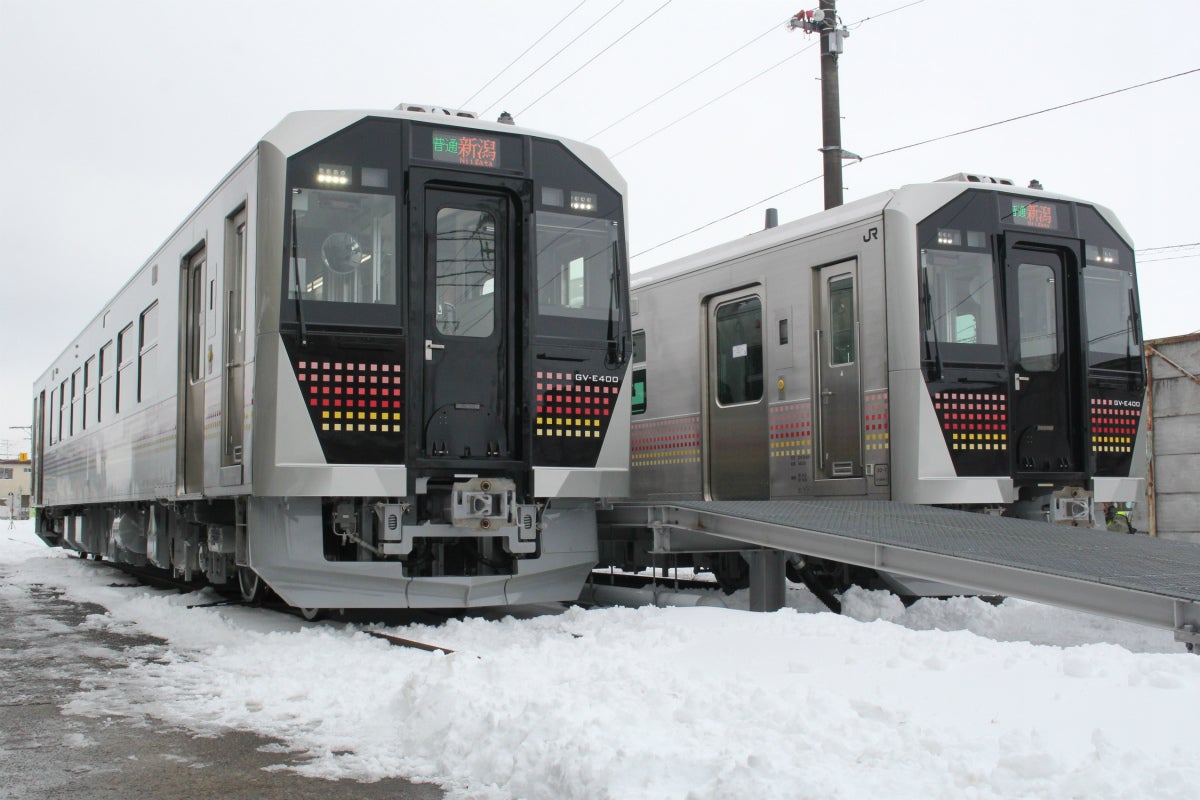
x: 312, y: 614
x: 251, y: 586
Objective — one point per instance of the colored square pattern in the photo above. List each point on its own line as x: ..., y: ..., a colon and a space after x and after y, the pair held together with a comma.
x: 353, y: 396
x: 667, y: 441
x: 791, y: 429
x: 570, y: 408
x: 1114, y: 427
x: 876, y: 420
x: 973, y: 421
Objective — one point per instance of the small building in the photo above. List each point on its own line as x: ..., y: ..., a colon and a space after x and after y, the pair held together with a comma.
x: 16, y: 480
x: 1172, y: 507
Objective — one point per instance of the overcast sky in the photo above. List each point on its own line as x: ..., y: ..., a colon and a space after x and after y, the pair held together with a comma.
x: 119, y: 116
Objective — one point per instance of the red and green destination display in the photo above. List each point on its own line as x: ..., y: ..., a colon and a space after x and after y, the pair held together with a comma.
x: 1034, y: 214
x: 468, y: 149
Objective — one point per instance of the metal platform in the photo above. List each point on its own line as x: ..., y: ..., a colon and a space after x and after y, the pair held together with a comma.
x: 1149, y: 581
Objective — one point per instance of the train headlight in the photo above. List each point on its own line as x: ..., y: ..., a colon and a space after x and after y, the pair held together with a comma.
x: 333, y: 175
x: 583, y: 201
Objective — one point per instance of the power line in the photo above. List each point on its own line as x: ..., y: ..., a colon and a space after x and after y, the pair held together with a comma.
x: 714, y: 100
x: 743, y: 83
x: 1031, y: 114
x: 1168, y: 258
x: 593, y: 58
x: 1168, y: 247
x: 556, y: 55
x: 518, y: 58
x: 923, y: 142
x: 688, y: 80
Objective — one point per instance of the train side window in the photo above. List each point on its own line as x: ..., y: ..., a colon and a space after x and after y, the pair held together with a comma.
x: 739, y: 351
x: 126, y: 385
x: 104, y: 392
x: 72, y: 427
x: 639, y: 372
x: 63, y: 409
x: 89, y: 388
x: 147, y: 353
x: 52, y: 429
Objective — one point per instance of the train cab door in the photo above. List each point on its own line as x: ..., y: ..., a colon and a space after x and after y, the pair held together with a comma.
x: 469, y: 317
x: 736, y: 445
x: 837, y: 397
x: 1045, y: 423
x: 190, y: 467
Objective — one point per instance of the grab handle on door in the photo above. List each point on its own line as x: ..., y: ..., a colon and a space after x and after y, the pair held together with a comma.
x: 430, y: 347
x: 1017, y: 378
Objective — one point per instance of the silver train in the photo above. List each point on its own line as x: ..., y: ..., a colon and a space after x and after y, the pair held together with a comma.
x: 383, y: 364
x: 964, y: 343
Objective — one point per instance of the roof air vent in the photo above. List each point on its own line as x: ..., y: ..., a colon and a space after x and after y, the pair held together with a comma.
x: 968, y: 177
x: 447, y: 112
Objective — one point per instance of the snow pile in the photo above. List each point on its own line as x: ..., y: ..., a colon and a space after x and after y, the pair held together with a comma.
x: 941, y: 700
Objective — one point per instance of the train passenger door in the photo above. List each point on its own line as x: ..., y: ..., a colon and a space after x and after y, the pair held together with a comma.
x: 468, y: 324
x: 233, y: 391
x: 190, y: 467
x: 736, y: 454
x: 837, y: 397
x: 1044, y: 422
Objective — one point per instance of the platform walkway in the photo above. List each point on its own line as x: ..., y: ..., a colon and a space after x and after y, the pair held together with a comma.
x: 1137, y: 578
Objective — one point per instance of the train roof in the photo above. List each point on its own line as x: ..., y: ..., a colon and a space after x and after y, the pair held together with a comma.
x: 917, y: 199
x: 301, y: 129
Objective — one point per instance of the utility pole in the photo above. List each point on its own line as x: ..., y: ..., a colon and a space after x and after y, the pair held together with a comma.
x: 824, y: 21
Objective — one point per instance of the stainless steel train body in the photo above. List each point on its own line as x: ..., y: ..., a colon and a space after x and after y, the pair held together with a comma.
x: 964, y: 343
x: 383, y: 364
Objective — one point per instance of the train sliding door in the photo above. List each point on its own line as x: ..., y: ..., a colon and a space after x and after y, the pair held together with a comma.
x: 469, y: 319
x: 736, y: 454
x: 1045, y: 423
x: 838, y: 394
x: 191, y: 378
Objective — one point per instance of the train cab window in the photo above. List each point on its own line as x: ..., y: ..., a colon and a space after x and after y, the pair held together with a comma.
x: 343, y: 247
x: 466, y: 272
x: 1038, y: 318
x: 739, y: 351
x: 1111, y: 314
x: 575, y: 258
x: 958, y: 304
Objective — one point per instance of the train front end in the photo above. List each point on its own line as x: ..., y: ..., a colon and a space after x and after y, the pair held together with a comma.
x: 441, y: 388
x: 1025, y: 389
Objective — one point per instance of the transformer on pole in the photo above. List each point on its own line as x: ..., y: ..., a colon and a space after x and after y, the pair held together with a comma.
x: 824, y: 21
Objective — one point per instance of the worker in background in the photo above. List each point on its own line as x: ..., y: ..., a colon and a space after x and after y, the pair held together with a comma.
x: 1116, y: 518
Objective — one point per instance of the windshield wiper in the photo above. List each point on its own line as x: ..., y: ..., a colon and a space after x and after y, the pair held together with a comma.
x: 930, y: 328
x: 299, y: 287
x: 616, y: 350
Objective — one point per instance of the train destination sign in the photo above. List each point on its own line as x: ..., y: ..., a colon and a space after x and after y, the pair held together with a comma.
x: 468, y: 149
x: 1032, y: 214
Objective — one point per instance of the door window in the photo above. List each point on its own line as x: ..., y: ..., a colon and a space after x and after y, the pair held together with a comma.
x: 739, y: 359
x: 1037, y: 301
x: 466, y: 272
x: 841, y: 321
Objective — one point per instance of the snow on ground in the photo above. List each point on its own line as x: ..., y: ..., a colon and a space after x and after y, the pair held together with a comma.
x: 946, y: 699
